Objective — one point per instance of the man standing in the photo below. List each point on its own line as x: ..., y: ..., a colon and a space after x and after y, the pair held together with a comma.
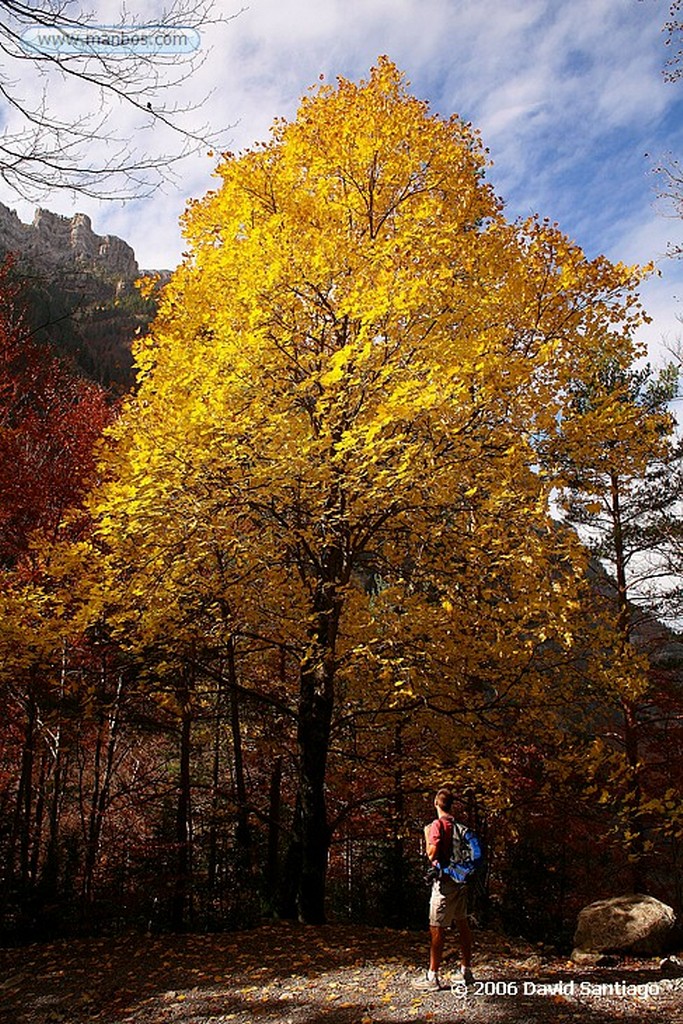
x: 448, y: 901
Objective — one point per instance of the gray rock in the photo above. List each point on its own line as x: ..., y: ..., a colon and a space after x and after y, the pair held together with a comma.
x: 53, y: 241
x: 625, y: 924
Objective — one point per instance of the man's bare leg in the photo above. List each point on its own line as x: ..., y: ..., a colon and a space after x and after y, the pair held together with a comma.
x: 438, y: 938
x: 465, y: 942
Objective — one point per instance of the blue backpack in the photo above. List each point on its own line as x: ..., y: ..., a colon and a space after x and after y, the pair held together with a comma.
x: 465, y: 856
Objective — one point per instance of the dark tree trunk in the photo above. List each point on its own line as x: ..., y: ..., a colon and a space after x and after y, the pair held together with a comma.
x: 105, y: 750
x: 212, y: 855
x: 272, y: 866
x: 311, y: 827
x: 242, y: 832
x: 316, y: 702
x: 182, y: 887
x: 292, y: 870
x: 311, y: 834
x: 39, y: 816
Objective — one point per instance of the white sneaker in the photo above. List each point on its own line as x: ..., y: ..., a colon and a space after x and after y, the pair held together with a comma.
x: 426, y: 984
x: 464, y: 975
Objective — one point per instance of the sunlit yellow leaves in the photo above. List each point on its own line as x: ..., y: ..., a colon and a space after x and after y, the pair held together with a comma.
x: 342, y: 410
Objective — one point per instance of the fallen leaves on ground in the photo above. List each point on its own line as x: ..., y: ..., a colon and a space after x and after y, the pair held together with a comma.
x: 283, y: 973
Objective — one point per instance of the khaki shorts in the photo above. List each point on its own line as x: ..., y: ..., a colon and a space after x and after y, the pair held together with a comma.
x: 448, y: 903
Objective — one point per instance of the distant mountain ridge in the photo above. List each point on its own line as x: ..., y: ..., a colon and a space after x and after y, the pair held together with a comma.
x: 56, y: 241
x: 80, y: 291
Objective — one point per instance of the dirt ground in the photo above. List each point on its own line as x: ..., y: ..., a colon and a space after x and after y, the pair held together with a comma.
x: 292, y: 974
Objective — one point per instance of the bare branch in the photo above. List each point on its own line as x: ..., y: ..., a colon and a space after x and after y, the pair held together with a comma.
x: 674, y: 30
x: 61, y: 44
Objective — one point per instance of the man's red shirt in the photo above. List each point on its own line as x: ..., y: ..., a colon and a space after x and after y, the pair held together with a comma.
x: 440, y: 835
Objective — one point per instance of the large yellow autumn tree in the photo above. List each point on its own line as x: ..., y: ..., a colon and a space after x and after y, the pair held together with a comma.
x: 335, y: 439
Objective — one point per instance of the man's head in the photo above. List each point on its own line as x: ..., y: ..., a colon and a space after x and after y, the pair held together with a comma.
x: 443, y: 800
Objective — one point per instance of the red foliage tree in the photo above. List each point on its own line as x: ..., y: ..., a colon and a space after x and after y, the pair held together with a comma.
x: 49, y: 422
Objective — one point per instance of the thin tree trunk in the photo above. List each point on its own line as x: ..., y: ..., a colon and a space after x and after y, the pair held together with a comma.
x: 21, y: 824
x: 212, y: 855
x: 37, y: 836
x: 105, y: 750
x: 636, y: 838
x: 242, y: 831
x: 51, y: 867
x: 397, y: 912
x: 181, y: 903
x: 274, y: 804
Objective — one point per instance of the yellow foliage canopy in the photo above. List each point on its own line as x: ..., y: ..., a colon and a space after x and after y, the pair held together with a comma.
x: 358, y: 337
x: 342, y: 402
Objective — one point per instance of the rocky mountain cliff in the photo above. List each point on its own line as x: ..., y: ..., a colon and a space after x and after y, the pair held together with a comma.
x: 57, y: 242
x: 80, y: 291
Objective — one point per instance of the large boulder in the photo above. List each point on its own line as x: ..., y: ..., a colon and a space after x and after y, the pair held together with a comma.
x: 626, y: 924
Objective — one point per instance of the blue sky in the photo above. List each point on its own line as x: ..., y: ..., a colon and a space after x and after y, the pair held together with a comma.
x: 568, y: 94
